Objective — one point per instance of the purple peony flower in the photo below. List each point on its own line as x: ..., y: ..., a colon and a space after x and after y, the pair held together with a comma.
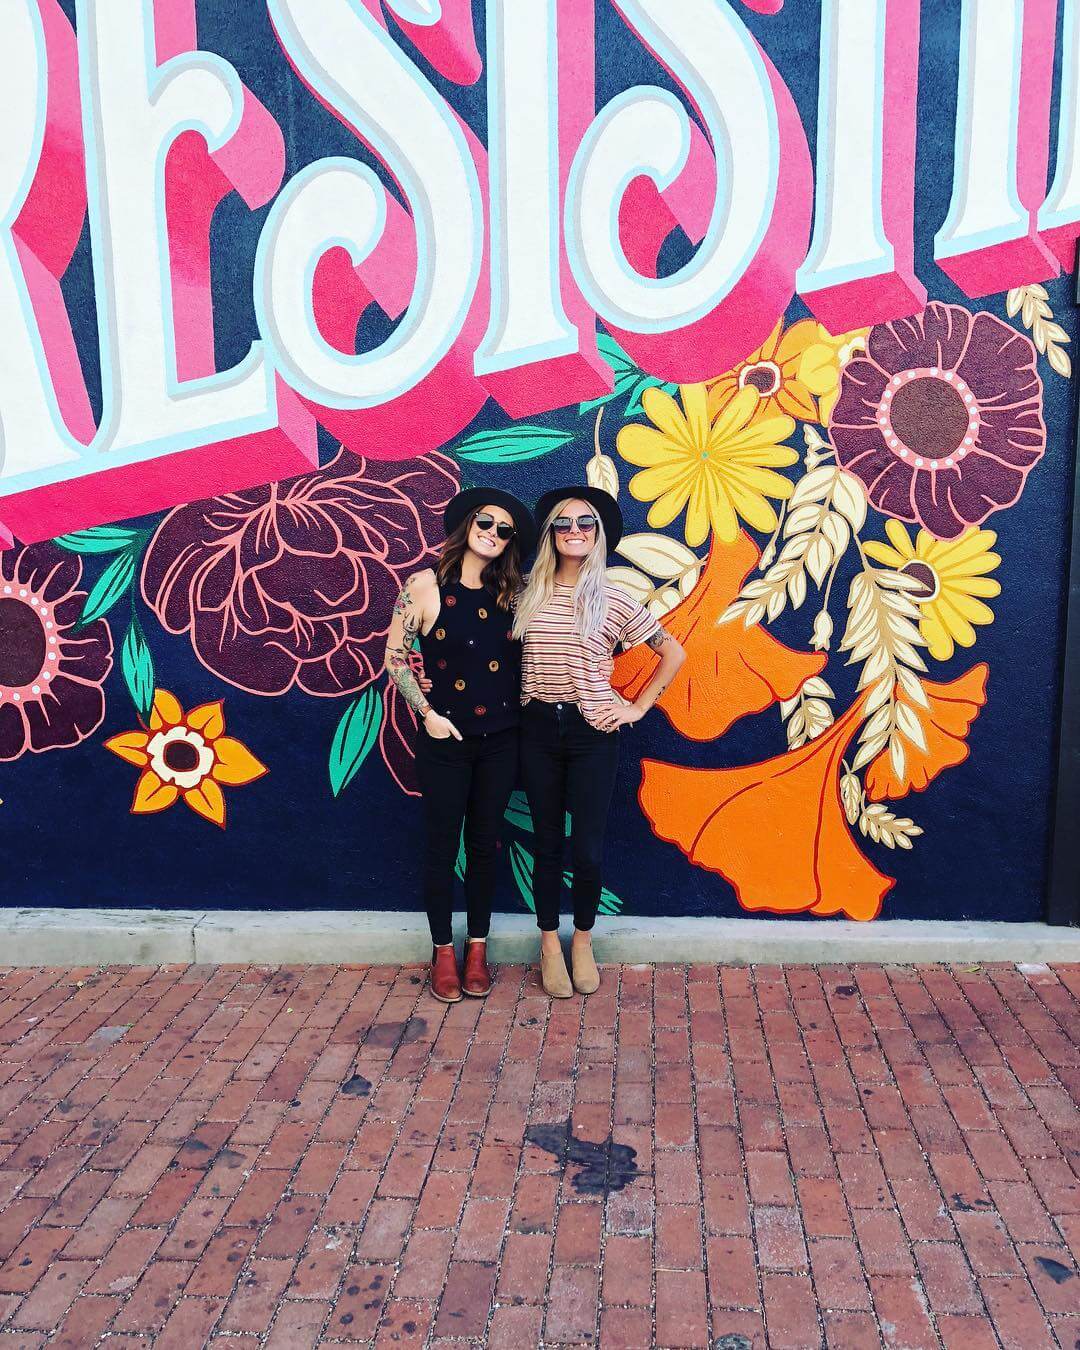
x: 293, y: 584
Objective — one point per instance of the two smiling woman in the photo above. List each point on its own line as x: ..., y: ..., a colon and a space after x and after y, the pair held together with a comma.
x: 518, y: 671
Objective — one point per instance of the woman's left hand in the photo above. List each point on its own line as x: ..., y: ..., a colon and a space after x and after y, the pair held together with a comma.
x: 620, y: 715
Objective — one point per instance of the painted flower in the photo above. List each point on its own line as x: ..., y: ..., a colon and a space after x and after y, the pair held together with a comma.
x: 796, y: 371
x: 942, y: 418
x: 730, y: 671
x: 776, y: 830
x: 51, y: 671
x: 717, y: 469
x: 952, y: 575
x: 185, y: 756
x: 953, y: 707
x: 293, y: 584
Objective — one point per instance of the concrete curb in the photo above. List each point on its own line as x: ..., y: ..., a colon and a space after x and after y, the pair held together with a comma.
x: 92, y: 937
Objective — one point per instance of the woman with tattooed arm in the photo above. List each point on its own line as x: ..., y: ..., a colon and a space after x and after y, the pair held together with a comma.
x: 467, y: 741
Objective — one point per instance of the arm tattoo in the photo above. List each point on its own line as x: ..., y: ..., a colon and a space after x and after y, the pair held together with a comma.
x: 657, y: 640
x: 397, y: 658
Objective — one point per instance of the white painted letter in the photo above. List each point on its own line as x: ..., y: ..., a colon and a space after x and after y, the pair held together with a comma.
x: 344, y: 55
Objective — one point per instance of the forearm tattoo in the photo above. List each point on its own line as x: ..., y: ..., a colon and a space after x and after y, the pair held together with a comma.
x: 657, y: 642
x: 397, y: 657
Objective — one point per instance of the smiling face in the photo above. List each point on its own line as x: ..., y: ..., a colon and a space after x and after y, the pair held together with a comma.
x: 485, y: 542
x: 575, y: 542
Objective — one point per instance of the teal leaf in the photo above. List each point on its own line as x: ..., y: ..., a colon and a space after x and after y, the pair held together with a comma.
x: 627, y: 374
x: 356, y: 734
x: 634, y: 407
x: 518, y: 813
x: 511, y: 445
x: 113, y: 583
x: 613, y: 354
x: 609, y: 903
x: 98, y: 539
x: 138, y: 667
x: 459, y: 865
x: 521, y: 865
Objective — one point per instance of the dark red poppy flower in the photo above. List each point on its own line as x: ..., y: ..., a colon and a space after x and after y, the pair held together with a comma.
x: 941, y: 419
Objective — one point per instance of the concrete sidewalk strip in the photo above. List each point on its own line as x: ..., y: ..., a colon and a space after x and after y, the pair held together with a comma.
x: 728, y: 1157
x: 59, y: 937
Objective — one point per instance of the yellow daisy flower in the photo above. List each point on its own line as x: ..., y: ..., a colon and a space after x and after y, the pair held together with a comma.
x: 718, y: 469
x: 185, y: 755
x: 952, y: 574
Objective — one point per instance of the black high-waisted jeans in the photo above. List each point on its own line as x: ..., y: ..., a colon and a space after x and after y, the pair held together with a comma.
x: 567, y: 765
x: 468, y: 783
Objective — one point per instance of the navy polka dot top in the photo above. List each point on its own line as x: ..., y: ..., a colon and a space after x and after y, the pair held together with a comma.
x: 472, y: 661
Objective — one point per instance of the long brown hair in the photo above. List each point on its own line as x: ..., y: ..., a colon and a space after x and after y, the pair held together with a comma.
x: 502, y: 575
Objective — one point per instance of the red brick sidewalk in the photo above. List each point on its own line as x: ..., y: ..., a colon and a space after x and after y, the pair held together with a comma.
x: 244, y: 1156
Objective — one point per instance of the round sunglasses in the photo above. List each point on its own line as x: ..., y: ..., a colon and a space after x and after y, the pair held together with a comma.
x: 485, y: 524
x: 564, y: 524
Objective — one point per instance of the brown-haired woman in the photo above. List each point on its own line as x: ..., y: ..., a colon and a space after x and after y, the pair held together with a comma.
x: 467, y: 743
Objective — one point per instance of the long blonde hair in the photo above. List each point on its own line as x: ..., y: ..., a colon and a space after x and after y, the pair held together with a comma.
x: 590, y: 592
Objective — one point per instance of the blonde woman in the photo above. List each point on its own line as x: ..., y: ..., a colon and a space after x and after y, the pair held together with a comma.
x: 570, y: 620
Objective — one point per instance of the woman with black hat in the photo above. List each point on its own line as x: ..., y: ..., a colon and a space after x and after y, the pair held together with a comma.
x: 571, y: 619
x: 467, y: 742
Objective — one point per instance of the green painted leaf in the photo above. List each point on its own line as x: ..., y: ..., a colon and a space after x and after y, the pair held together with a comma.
x: 511, y: 445
x: 634, y: 407
x: 626, y: 373
x: 521, y: 865
x: 109, y: 587
x: 613, y: 354
x: 356, y: 734
x: 138, y: 667
x: 98, y: 539
x: 609, y: 903
x: 518, y: 813
x: 459, y: 865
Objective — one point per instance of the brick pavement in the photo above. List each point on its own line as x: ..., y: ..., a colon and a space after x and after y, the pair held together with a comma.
x: 241, y: 1156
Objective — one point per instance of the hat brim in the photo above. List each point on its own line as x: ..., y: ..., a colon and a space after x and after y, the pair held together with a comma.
x: 459, y: 509
x: 607, y: 508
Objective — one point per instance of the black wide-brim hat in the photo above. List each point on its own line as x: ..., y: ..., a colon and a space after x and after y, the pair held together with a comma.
x: 607, y: 508
x: 462, y: 506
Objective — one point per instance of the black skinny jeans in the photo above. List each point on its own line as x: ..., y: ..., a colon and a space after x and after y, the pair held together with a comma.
x: 567, y: 765
x: 468, y: 783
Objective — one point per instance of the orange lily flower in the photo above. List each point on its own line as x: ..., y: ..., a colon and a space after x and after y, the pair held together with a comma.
x: 794, y: 371
x: 776, y: 830
x: 185, y: 756
x: 953, y: 708
x: 729, y: 671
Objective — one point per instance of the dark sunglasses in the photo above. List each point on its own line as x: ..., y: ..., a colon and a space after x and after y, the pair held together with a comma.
x: 486, y: 523
x: 564, y: 524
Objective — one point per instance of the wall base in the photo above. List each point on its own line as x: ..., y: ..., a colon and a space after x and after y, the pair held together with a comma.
x: 93, y: 937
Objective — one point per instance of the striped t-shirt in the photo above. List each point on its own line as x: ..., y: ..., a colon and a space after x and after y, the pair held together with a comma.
x: 559, y: 666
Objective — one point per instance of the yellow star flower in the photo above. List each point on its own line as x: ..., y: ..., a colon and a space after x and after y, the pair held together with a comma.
x: 717, y: 469
x: 188, y: 756
x: 951, y: 573
x: 794, y: 371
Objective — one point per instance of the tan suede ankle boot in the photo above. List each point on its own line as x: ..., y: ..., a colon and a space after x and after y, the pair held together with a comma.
x: 554, y: 976
x: 586, y: 975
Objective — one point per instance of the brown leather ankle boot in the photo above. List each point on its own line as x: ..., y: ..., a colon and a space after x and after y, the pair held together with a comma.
x: 475, y: 978
x: 445, y: 983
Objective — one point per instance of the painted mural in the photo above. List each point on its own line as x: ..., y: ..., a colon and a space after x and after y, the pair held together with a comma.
x: 790, y: 281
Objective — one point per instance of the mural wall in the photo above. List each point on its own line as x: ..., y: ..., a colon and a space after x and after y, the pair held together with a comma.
x: 791, y: 280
